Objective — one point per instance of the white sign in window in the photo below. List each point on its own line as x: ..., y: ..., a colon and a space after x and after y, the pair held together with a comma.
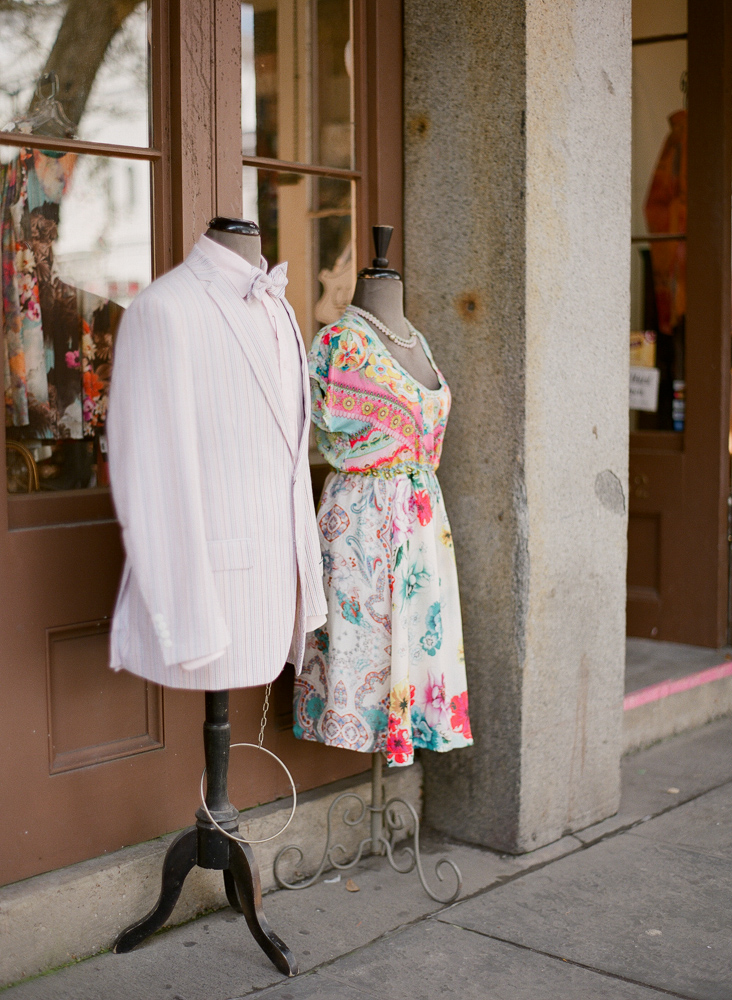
x: 644, y: 388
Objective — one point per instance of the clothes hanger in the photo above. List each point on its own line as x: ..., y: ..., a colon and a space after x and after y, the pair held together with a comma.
x: 46, y: 115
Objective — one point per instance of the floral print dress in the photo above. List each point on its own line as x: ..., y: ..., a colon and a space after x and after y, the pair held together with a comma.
x: 58, y: 339
x: 387, y: 671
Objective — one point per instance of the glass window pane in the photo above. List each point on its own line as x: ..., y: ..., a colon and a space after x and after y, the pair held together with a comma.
x: 332, y: 132
x: 658, y: 209
x: 76, y: 68
x: 306, y: 221
x: 76, y: 249
x: 297, y: 94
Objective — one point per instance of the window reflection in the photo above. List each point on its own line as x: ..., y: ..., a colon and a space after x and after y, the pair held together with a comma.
x: 306, y: 221
x: 297, y: 100
x: 76, y: 248
x: 658, y: 259
x: 98, y: 52
x: 332, y: 130
x: 75, y: 231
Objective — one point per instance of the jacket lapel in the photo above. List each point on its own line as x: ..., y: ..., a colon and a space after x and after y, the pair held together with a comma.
x: 236, y: 312
x: 302, y: 450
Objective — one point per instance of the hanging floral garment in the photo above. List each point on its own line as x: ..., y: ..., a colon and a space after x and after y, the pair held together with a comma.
x: 665, y: 212
x: 58, y: 338
x: 387, y: 671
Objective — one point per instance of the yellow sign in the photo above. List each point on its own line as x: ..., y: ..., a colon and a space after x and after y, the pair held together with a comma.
x: 643, y: 348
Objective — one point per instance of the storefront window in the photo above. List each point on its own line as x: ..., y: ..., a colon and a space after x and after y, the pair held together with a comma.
x: 658, y: 248
x: 75, y: 226
x: 297, y: 114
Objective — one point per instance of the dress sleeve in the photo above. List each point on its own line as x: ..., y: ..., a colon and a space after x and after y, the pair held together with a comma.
x: 336, y: 350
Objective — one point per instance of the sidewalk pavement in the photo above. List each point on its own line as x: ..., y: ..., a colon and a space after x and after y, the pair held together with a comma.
x: 638, y: 907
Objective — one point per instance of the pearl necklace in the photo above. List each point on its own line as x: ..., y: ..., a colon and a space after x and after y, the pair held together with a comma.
x: 399, y: 341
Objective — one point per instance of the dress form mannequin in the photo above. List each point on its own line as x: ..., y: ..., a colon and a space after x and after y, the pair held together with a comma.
x: 379, y: 290
x: 204, y: 845
x: 243, y: 238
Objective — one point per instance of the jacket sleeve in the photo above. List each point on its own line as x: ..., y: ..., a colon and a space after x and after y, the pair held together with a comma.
x: 154, y: 470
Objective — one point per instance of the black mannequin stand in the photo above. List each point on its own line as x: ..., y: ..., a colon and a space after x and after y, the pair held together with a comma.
x: 207, y: 847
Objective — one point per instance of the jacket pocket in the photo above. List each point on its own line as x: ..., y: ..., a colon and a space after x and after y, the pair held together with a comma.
x: 230, y: 553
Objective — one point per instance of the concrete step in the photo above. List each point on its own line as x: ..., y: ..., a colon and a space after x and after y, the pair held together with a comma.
x: 671, y: 688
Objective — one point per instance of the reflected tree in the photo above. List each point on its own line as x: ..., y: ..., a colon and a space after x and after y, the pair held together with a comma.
x: 95, y: 25
x: 86, y: 31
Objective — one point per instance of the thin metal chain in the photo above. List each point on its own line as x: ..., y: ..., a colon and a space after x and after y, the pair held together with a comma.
x: 265, y: 709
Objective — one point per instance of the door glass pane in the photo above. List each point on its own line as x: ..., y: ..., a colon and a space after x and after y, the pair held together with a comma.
x: 306, y: 221
x: 658, y: 209
x: 297, y: 102
x: 76, y: 68
x: 332, y: 132
x: 76, y: 248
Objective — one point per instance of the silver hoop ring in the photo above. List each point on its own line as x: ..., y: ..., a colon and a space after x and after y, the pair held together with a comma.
x: 243, y: 840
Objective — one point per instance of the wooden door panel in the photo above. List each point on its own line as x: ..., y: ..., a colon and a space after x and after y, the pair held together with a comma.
x: 55, y: 819
x: 655, y: 477
x: 644, y: 574
x: 644, y: 555
x: 95, y: 714
x: 656, y: 504
x: 94, y: 760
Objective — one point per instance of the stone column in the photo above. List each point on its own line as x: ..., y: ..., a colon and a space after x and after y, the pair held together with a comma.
x: 517, y: 214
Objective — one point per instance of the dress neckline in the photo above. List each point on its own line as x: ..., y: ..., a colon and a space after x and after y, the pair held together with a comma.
x: 355, y: 318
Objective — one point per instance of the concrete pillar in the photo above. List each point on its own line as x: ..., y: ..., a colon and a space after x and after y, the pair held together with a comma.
x: 517, y: 214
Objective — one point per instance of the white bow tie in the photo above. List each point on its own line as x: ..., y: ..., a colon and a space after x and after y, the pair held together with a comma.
x: 274, y: 282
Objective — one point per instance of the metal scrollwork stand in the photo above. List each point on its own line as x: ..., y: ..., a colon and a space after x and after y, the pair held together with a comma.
x: 386, y: 822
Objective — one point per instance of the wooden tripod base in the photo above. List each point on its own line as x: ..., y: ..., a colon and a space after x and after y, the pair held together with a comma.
x: 208, y: 847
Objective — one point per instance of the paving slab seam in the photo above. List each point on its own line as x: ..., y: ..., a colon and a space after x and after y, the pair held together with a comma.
x: 422, y: 918
x: 502, y: 880
x: 684, y: 848
x: 437, y: 914
x: 311, y: 974
x: 579, y: 965
x: 262, y: 991
x: 645, y: 819
x: 581, y: 846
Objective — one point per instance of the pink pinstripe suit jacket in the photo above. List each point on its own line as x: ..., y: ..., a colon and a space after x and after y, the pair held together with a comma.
x: 213, y: 497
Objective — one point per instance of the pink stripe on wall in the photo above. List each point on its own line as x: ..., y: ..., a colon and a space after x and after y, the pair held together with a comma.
x: 662, y: 690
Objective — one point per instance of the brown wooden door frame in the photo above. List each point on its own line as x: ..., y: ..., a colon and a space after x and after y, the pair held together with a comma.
x: 706, y: 435
x: 379, y: 122
x: 206, y: 117
x: 206, y: 169
x: 679, y: 482
x: 64, y: 805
